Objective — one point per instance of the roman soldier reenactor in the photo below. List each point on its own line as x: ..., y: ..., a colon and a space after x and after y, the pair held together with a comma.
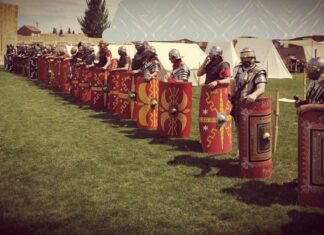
x: 249, y: 80
x: 105, y: 56
x: 315, y: 90
x: 90, y: 57
x: 124, y: 60
x: 180, y: 71
x: 216, y: 69
x: 249, y: 83
x: 139, y: 57
x: 151, y: 65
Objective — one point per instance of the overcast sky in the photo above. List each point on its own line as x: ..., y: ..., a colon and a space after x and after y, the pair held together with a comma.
x: 54, y: 13
x: 200, y: 20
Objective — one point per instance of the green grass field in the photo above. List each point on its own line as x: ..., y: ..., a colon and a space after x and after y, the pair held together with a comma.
x: 67, y: 169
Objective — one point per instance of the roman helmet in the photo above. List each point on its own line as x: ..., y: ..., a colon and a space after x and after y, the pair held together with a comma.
x: 140, y: 46
x: 315, y: 68
x: 150, y: 50
x: 174, y: 55
x: 248, y: 58
x: 122, y: 51
x: 74, y: 51
x: 215, y: 51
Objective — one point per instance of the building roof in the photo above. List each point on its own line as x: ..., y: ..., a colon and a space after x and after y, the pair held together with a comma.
x: 8, y: 4
x: 33, y: 29
x: 318, y: 38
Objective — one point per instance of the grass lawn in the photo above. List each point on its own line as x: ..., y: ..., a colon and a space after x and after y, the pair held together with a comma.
x: 67, y: 169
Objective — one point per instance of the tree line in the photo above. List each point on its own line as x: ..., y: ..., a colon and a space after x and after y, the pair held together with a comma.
x: 61, y: 31
x: 94, y: 21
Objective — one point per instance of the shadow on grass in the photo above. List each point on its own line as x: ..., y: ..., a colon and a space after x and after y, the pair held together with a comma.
x: 59, y: 95
x: 263, y: 194
x: 227, y: 167
x: 102, y: 114
x: 304, y: 223
x: 69, y: 225
x: 135, y: 133
x: 177, y: 144
x: 110, y: 118
x: 39, y: 85
x: 69, y: 99
x: 139, y: 133
x: 19, y: 227
x: 105, y: 117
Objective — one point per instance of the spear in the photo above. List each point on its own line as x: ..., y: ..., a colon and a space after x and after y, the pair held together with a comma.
x: 305, y: 84
x: 275, y: 129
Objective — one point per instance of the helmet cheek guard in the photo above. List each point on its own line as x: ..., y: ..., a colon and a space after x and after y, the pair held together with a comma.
x: 315, y: 68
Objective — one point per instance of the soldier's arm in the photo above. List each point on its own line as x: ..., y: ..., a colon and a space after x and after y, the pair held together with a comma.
x: 184, y: 74
x: 153, y: 73
x: 90, y: 66
x: 307, y: 107
x: 92, y: 62
x: 260, y: 83
x: 108, y: 57
x: 106, y: 65
x: 136, y: 71
x: 233, y: 82
x: 225, y: 75
x: 127, y: 64
x: 154, y: 70
x: 202, y: 69
x: 260, y: 88
x: 233, y: 86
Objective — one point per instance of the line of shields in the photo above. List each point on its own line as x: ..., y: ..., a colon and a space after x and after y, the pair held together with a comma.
x: 21, y: 65
x: 163, y: 107
x: 166, y: 108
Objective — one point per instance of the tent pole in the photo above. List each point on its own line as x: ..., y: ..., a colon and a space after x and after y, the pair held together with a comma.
x: 312, y: 47
x: 275, y: 129
x: 304, y: 84
x: 198, y: 76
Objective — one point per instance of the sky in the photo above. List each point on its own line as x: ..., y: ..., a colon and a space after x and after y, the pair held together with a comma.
x: 199, y: 20
x: 55, y: 13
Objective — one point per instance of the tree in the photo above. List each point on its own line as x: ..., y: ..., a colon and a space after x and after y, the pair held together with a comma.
x: 69, y: 31
x: 73, y: 32
x: 54, y: 30
x: 61, y: 32
x: 95, y: 19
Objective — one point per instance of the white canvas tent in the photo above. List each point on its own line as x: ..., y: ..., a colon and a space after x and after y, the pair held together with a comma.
x: 267, y: 54
x: 310, y: 46
x: 229, y: 53
x: 191, y: 54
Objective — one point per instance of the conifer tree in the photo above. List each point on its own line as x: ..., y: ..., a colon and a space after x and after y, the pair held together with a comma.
x: 95, y: 19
